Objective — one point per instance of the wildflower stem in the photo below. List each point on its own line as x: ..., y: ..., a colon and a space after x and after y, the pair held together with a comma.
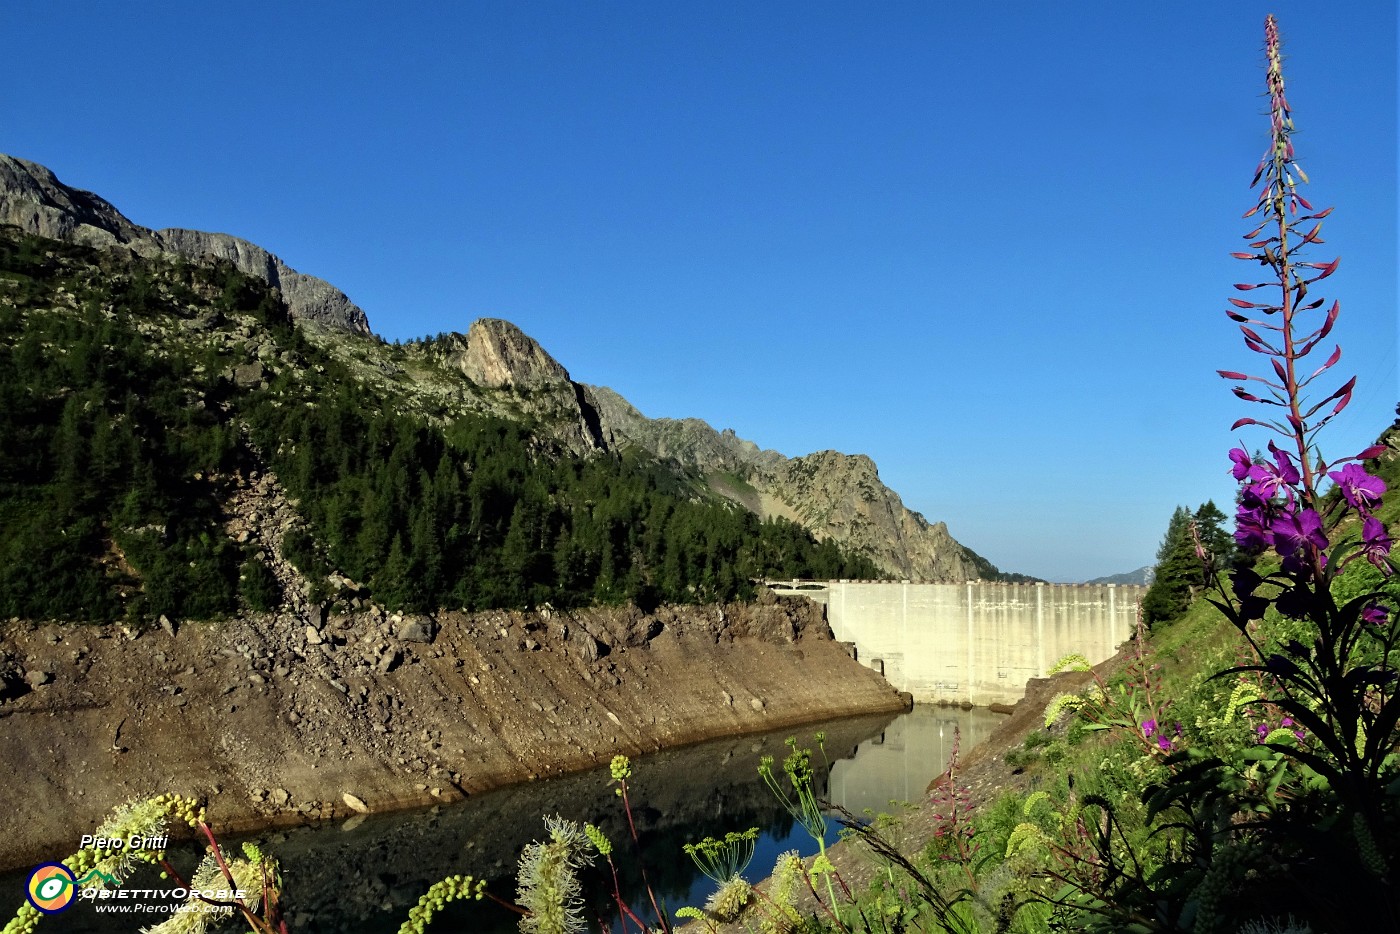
x: 254, y: 922
x: 661, y: 918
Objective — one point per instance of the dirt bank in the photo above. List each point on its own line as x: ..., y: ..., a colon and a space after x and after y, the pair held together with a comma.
x: 276, y: 718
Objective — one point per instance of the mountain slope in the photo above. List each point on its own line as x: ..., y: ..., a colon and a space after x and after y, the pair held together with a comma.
x: 496, y: 371
x: 837, y: 496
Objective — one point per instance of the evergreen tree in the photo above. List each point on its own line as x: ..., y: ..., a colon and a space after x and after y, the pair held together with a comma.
x: 1178, y: 571
x: 1218, y: 543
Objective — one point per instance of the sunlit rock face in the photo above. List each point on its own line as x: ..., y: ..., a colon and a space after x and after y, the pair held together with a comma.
x: 33, y: 199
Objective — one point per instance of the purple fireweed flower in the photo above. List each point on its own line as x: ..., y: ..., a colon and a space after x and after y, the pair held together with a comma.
x: 1377, y: 614
x: 1251, y: 531
x: 1286, y: 471
x: 1361, y: 490
x: 1264, y: 482
x: 1242, y: 462
x: 1250, y: 499
x: 1375, y: 543
x: 1163, y: 743
x: 1149, y: 727
x: 1295, y: 531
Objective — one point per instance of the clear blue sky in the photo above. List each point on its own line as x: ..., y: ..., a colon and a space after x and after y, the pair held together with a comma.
x: 985, y: 244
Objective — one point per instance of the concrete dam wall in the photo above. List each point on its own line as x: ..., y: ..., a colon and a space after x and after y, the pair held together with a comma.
x: 976, y: 642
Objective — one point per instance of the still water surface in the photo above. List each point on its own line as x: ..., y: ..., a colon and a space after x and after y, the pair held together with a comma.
x: 362, y: 875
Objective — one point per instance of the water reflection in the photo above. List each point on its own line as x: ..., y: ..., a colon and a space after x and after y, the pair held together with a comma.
x: 899, y: 763
x: 361, y: 876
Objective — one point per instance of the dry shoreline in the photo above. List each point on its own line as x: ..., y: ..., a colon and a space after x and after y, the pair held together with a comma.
x: 272, y: 720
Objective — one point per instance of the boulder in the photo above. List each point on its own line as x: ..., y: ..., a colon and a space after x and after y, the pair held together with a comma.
x: 416, y: 629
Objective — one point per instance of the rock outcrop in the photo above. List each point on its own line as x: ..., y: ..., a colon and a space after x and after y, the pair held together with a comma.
x: 840, y: 496
x: 33, y: 199
x: 497, y: 356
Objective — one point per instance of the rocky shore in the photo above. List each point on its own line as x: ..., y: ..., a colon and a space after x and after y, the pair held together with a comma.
x: 295, y: 717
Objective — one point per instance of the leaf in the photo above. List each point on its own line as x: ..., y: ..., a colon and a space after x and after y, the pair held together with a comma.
x: 1259, y: 753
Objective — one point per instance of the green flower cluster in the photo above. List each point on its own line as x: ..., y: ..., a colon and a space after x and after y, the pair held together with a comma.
x: 451, y: 889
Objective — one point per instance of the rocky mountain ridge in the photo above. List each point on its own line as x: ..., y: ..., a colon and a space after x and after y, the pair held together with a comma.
x: 834, y: 495
x: 496, y: 368
x: 34, y: 200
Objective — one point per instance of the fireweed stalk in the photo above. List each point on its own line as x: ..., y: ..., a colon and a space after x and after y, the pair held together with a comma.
x: 1337, y: 681
x: 1305, y: 819
x: 1279, y: 501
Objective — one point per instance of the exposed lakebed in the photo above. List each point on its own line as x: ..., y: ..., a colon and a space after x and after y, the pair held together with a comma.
x: 362, y: 875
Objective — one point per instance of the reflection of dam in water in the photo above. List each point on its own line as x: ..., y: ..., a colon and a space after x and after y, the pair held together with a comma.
x: 898, y: 764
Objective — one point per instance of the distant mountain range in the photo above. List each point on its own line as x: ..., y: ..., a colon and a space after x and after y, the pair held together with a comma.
x: 1142, y: 575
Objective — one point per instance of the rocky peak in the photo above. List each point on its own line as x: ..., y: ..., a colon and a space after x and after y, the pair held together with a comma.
x: 33, y: 199
x: 523, y: 380
x: 841, y: 496
x: 496, y: 354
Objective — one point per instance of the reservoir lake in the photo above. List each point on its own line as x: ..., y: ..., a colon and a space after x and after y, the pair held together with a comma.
x: 362, y: 875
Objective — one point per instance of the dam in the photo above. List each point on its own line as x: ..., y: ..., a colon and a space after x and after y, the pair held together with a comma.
x: 975, y: 642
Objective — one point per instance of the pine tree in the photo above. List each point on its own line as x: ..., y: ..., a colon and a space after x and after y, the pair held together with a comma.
x: 1178, y: 572
x: 1218, y: 543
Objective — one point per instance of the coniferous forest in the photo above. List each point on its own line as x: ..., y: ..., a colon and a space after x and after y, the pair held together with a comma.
x: 122, y: 427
